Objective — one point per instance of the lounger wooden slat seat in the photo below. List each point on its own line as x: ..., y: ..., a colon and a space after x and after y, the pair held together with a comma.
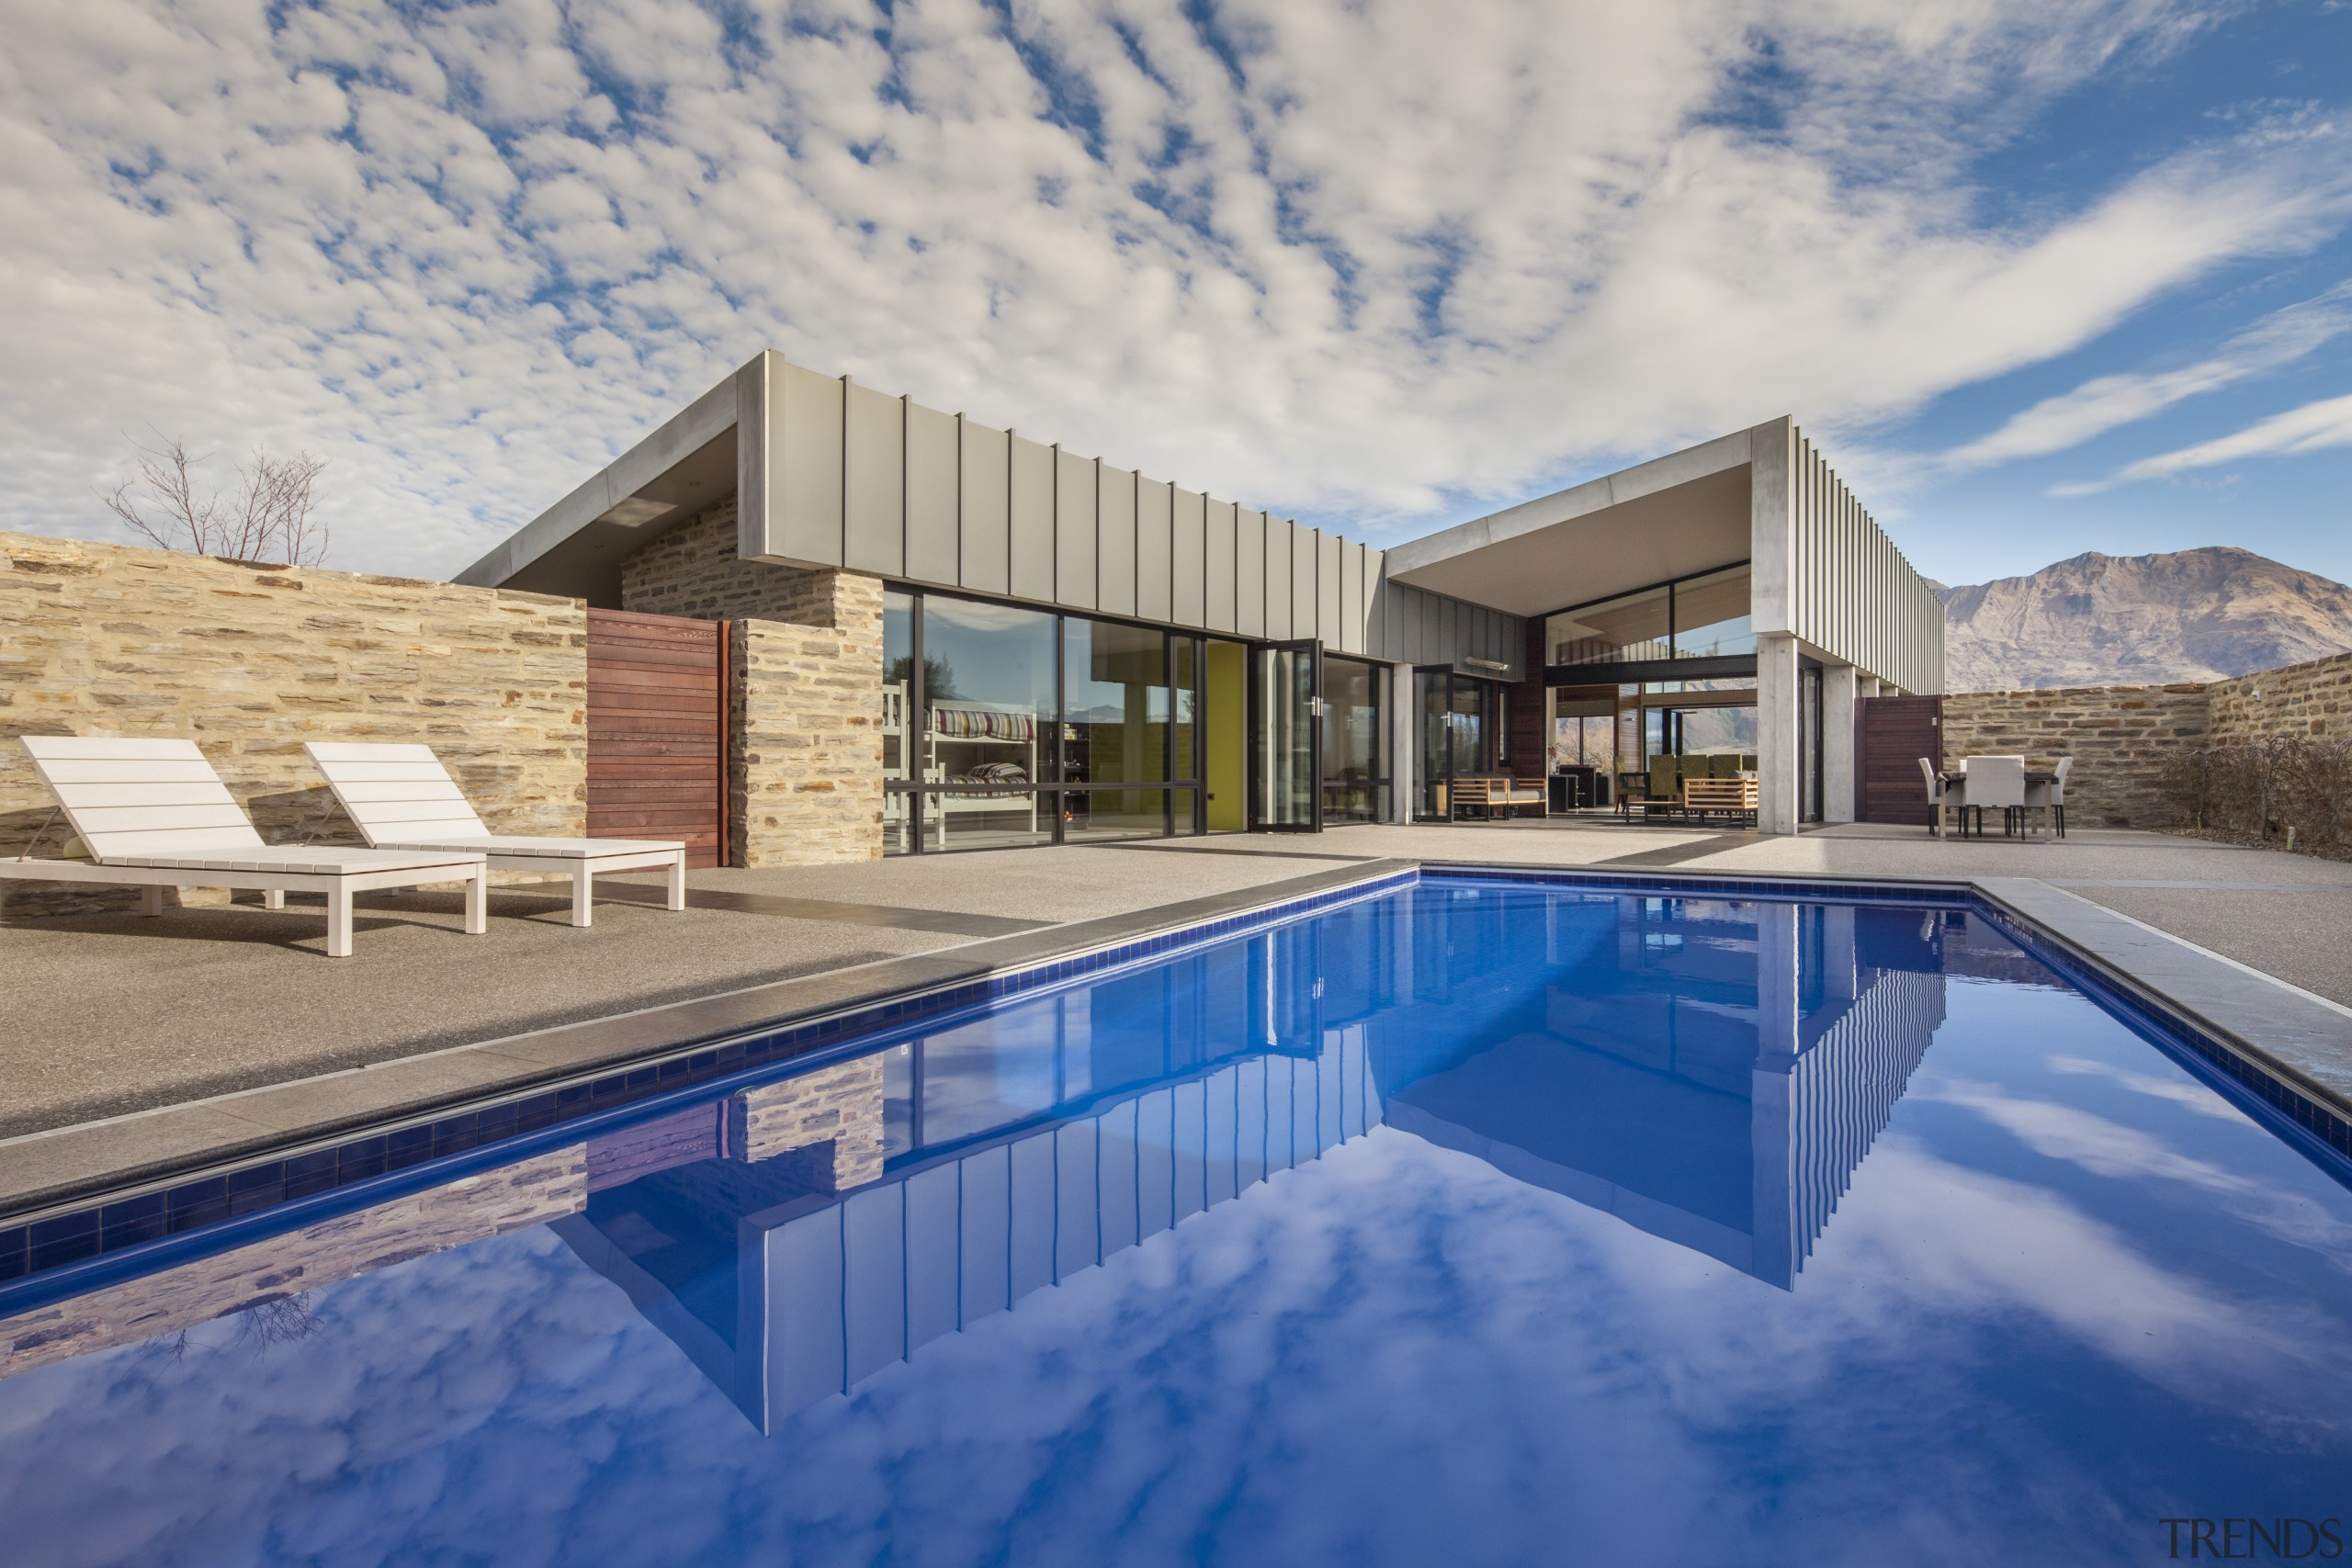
x: 401, y: 797
x: 154, y: 815
x: 1732, y: 797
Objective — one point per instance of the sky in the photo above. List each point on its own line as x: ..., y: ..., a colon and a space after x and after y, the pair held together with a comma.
x: 2041, y: 276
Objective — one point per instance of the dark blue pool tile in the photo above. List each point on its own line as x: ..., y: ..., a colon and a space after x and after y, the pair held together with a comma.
x: 12, y: 1253
x: 313, y: 1173
x: 68, y: 1238
x: 130, y: 1221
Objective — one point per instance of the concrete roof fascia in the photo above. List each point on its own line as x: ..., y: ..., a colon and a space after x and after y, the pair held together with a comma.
x: 1577, y: 500
x: 701, y: 422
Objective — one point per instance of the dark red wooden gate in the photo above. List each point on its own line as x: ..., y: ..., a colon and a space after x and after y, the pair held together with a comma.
x: 656, y: 731
x: 1891, y: 733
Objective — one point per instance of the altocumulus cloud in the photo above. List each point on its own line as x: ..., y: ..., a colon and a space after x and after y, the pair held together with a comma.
x: 1369, y: 264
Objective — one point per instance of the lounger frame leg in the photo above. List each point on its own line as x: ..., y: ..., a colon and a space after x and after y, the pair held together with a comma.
x: 678, y: 882
x: 339, y: 921
x: 151, y: 899
x: 478, y: 903
x: 273, y: 898
x: 582, y: 896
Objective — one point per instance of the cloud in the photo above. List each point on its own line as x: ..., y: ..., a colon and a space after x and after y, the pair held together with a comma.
x: 2313, y: 427
x: 2108, y: 402
x: 1363, y: 262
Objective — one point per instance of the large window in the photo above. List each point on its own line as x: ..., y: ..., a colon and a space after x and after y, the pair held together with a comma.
x: 1004, y: 726
x: 1694, y: 617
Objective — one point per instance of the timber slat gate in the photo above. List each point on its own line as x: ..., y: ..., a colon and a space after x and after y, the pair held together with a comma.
x: 1894, y: 733
x: 656, y: 731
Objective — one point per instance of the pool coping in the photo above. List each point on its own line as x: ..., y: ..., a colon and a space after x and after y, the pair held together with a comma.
x: 2289, y: 1047
x: 61, y: 1169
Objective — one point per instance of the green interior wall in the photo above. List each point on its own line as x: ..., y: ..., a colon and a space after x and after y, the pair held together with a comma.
x: 1222, y: 716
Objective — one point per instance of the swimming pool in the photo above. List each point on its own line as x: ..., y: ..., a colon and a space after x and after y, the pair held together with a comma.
x: 1478, y: 1219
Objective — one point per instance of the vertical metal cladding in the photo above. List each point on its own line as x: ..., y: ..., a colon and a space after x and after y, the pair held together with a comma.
x: 1250, y: 572
x: 1353, y: 616
x: 1155, y: 561
x: 934, y: 487
x: 1188, y: 556
x: 873, y: 474
x: 806, y: 480
x: 1076, y: 531
x: 1853, y: 594
x: 1221, y: 614
x: 1330, y: 622
x: 1030, y: 510
x: 1278, y: 560
x: 1115, y: 501
x: 1303, y: 560
x: 986, y: 497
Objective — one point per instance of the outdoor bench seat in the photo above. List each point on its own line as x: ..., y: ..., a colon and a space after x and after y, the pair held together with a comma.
x: 154, y: 815
x: 401, y: 797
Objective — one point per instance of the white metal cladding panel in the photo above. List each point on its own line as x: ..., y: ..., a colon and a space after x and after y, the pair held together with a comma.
x: 987, y: 544
x: 1853, y: 594
x: 933, y: 524
x: 1352, y: 609
x: 1032, y: 510
x: 1303, y: 562
x: 1189, y: 548
x: 1114, y: 491
x: 1154, y: 583
x: 1330, y: 616
x: 806, y: 488
x: 1221, y: 614
x: 875, y: 473
x: 1250, y: 573
x: 1076, y: 528
x: 1278, y: 560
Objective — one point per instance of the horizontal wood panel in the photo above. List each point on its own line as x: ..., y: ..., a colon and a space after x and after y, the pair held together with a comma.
x: 656, y: 731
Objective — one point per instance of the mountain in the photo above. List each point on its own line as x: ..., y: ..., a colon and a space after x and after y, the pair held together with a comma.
x: 2141, y: 620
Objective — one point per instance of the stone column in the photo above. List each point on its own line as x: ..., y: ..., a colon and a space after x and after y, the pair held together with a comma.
x: 1840, y: 784
x: 1778, y: 764
x: 806, y: 731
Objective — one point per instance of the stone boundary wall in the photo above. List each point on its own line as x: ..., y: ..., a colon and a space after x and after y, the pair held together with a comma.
x: 250, y: 661
x: 2123, y: 738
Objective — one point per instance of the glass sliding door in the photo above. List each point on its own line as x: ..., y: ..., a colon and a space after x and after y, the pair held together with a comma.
x: 989, y: 700
x: 1460, y: 719
x: 1355, y: 741
x: 1285, y: 694
x: 1117, y: 712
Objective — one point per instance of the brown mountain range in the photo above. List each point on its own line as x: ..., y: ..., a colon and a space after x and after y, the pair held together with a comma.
x: 2100, y: 620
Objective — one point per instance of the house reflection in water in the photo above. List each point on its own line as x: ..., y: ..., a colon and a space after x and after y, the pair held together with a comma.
x: 1709, y: 1071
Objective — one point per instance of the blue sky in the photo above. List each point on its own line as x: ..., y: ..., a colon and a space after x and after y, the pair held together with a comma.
x: 2044, y: 276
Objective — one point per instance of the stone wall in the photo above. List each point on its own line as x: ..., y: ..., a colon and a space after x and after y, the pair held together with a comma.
x: 839, y: 1107
x: 694, y: 571
x: 2302, y: 699
x: 2120, y: 738
x: 250, y: 661
x: 804, y: 782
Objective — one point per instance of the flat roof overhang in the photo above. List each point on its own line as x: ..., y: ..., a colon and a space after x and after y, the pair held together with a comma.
x: 575, y: 547
x: 1674, y: 516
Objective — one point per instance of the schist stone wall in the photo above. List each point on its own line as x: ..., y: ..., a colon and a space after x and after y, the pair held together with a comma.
x: 806, y: 727
x: 2121, y: 738
x: 250, y: 661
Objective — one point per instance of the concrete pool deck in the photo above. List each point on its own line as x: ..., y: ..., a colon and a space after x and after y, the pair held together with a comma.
x: 109, y: 1021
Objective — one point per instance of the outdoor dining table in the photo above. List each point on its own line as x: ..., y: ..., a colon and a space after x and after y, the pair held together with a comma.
x: 1945, y: 776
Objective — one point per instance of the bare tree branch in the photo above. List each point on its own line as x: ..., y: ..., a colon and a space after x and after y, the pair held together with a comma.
x: 270, y: 518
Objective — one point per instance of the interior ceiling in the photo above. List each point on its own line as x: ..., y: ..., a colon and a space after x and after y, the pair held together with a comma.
x: 1670, y: 533
x: 587, y: 564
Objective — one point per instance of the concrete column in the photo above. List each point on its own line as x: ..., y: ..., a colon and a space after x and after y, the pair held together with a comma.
x: 1778, y: 762
x: 1404, y: 743
x: 1840, y: 786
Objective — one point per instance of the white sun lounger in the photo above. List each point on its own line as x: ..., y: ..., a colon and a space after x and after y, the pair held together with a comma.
x: 402, y: 798
x: 154, y: 815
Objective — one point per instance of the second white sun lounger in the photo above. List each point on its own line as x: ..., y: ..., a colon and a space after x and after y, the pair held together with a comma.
x: 154, y: 815
x: 402, y: 798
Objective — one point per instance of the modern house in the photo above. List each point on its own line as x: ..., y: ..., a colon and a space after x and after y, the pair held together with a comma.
x: 1057, y: 648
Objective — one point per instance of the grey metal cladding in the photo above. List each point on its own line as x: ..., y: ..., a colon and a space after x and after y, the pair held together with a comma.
x: 933, y: 526
x: 1303, y: 564
x: 806, y: 488
x: 986, y: 533
x: 1154, y: 586
x: 877, y: 476
x: 1434, y: 640
x: 1250, y: 572
x: 1278, y: 560
x: 1189, y: 550
x: 1351, y: 605
x: 1330, y: 619
x: 1075, y: 530
x: 1032, y: 520
x: 1377, y: 642
x: 1222, y: 531
x: 1114, y: 491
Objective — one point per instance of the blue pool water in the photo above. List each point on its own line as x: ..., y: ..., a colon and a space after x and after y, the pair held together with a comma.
x: 1481, y: 1222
